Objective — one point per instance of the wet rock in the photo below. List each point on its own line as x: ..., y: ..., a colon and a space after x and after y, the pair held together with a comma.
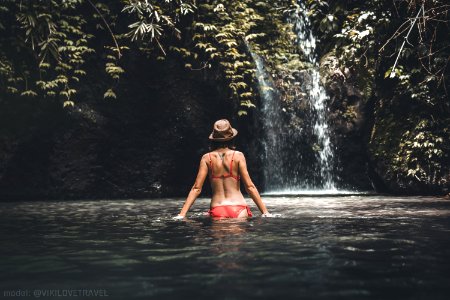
x: 147, y: 143
x: 348, y: 123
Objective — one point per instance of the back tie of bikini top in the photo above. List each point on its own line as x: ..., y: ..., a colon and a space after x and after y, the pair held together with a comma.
x: 224, y: 175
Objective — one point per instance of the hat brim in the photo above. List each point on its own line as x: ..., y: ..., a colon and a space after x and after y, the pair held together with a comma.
x: 235, y: 132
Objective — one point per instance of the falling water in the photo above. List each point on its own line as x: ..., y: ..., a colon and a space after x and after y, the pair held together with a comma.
x: 273, y: 146
x: 288, y: 167
x: 316, y: 94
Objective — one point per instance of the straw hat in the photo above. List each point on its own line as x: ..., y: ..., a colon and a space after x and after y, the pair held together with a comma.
x: 222, y: 131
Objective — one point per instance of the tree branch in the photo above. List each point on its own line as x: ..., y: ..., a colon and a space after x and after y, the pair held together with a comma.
x: 119, y: 54
x: 403, y: 44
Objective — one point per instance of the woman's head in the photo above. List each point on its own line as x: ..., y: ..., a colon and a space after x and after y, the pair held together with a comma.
x: 222, y: 131
x: 222, y: 135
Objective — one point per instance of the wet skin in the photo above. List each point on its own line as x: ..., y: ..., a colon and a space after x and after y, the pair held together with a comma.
x: 225, y: 191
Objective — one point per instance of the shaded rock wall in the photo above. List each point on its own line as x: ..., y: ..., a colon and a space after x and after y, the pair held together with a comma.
x: 147, y: 143
x: 350, y: 121
x: 383, y: 137
x: 409, y: 150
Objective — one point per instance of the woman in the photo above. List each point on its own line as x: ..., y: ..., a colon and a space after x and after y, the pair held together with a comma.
x: 226, y: 167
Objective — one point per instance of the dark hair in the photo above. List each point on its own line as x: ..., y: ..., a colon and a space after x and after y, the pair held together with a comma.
x: 222, y: 144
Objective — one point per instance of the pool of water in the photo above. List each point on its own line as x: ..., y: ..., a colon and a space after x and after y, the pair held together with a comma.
x: 317, y: 247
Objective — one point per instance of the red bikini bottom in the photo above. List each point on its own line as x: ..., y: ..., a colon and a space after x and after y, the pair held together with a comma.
x: 228, y: 211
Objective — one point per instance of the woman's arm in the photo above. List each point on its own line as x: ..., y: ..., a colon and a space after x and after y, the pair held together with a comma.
x: 197, y: 187
x: 249, y: 186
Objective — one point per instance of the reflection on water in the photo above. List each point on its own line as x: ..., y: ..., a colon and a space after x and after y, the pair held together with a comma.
x: 349, y: 247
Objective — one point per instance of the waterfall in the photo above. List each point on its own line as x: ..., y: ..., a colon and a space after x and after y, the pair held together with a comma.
x: 272, y: 142
x: 289, y: 164
x: 316, y: 94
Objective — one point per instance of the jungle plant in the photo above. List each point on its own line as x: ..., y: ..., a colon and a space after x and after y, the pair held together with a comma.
x: 45, y: 43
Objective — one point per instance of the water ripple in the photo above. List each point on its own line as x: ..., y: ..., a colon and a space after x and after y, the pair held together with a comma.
x: 348, y: 247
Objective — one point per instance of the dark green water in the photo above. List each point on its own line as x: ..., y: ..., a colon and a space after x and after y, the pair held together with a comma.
x: 346, y: 247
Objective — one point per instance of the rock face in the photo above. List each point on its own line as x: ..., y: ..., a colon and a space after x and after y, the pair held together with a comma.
x: 146, y: 143
x: 384, y: 137
x: 349, y: 122
x: 409, y: 152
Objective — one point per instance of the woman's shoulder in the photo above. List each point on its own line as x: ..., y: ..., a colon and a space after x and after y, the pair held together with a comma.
x: 205, y: 156
x: 238, y: 153
x: 232, y: 151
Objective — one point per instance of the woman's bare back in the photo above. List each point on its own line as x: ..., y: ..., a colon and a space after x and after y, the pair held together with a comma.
x: 226, y: 168
x: 224, y: 177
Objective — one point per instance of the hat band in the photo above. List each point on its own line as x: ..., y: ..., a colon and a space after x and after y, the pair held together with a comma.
x: 223, y: 134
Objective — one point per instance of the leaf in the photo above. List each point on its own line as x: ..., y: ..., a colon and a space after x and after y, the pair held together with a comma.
x: 110, y: 94
x: 68, y: 103
x: 247, y: 103
x: 387, y: 73
x: 29, y: 93
x: 210, y: 49
x: 246, y: 95
x: 242, y: 113
x: 79, y: 72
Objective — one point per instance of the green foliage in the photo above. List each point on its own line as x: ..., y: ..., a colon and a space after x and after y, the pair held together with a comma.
x: 45, y: 44
x: 405, y: 79
x: 50, y: 43
x: 219, y: 40
x: 422, y: 153
x: 51, y: 48
x: 415, y: 151
x: 110, y: 94
x: 367, y: 38
x: 155, y: 17
x: 58, y: 39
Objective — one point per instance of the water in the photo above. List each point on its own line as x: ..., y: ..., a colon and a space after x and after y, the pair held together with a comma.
x: 339, y: 247
x: 274, y: 171
x: 317, y: 96
x: 303, y: 137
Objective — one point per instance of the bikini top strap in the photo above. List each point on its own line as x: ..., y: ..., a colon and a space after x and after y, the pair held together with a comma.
x: 210, y: 164
x: 231, y: 163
